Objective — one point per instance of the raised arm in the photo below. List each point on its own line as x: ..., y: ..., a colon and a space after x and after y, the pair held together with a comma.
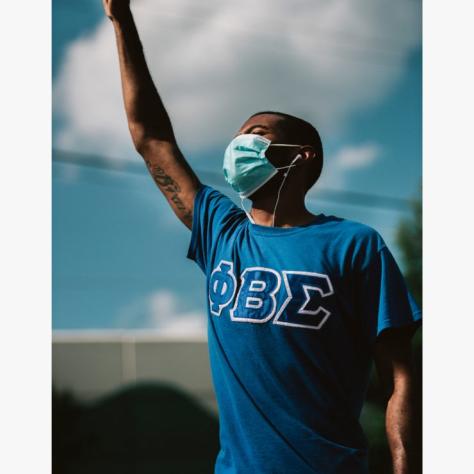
x: 394, y: 365
x: 148, y: 121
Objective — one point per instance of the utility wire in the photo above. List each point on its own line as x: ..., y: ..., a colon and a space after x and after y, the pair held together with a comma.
x: 353, y: 198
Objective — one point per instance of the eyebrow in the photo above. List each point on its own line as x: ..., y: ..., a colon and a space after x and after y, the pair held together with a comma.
x: 257, y: 126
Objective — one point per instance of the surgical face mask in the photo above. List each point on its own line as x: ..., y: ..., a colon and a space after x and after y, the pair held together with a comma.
x: 246, y: 168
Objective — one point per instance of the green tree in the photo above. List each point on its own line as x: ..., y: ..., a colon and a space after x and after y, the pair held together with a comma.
x: 409, y: 239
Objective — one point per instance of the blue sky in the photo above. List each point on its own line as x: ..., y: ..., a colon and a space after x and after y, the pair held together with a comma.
x: 353, y: 69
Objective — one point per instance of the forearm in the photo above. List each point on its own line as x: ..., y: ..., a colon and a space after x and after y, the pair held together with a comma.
x: 399, y: 426
x: 146, y: 114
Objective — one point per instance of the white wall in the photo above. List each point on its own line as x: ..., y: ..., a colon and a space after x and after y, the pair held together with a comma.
x: 94, y: 363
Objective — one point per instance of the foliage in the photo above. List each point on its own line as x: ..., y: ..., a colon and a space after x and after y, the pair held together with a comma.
x: 409, y: 239
x: 144, y: 428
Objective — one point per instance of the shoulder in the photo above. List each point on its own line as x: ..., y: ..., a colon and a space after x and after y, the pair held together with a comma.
x: 211, y: 205
x: 357, y: 232
x: 359, y: 242
x: 208, y: 193
x: 204, y: 191
x: 209, y: 197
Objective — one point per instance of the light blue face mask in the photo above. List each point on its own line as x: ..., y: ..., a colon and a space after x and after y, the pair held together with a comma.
x: 246, y: 168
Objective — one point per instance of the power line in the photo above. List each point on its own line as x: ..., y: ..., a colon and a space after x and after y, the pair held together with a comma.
x: 353, y: 198
x: 343, y: 197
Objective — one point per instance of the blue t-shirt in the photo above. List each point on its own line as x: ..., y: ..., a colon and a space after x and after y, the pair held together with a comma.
x: 293, y: 315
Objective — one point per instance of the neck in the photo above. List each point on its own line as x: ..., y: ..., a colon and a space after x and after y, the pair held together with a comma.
x: 290, y: 212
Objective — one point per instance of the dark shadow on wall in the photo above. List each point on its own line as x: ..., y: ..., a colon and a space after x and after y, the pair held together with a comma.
x: 143, y: 429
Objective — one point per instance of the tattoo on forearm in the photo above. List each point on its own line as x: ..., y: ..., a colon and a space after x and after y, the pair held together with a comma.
x: 168, y: 184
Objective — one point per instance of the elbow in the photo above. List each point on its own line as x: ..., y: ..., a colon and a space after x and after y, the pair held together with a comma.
x: 143, y: 139
x: 139, y: 137
x: 140, y: 146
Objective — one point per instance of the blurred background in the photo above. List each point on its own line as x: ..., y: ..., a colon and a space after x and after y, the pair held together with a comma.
x: 131, y: 384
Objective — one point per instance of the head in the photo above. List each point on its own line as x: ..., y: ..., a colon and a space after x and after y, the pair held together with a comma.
x: 279, y: 127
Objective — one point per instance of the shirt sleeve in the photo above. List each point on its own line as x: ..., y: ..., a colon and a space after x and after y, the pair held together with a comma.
x: 214, y: 215
x: 384, y: 299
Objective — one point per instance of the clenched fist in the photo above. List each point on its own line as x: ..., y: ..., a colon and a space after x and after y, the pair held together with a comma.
x: 116, y: 9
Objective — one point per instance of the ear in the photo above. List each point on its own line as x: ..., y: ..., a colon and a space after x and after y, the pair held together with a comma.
x: 307, y: 153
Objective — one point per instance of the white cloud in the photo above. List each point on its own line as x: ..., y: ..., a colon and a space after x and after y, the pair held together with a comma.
x: 345, y: 161
x: 161, y: 311
x: 165, y: 316
x: 217, y: 64
x: 360, y: 156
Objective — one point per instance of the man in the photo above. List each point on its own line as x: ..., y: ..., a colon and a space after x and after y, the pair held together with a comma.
x: 299, y: 304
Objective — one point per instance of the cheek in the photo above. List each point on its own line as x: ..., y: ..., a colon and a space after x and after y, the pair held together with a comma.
x: 281, y: 157
x: 275, y: 160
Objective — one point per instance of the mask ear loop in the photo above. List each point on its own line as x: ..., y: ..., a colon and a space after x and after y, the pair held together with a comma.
x: 248, y: 214
x: 297, y: 157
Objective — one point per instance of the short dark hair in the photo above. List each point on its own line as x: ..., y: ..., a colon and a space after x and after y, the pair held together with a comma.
x: 301, y: 132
